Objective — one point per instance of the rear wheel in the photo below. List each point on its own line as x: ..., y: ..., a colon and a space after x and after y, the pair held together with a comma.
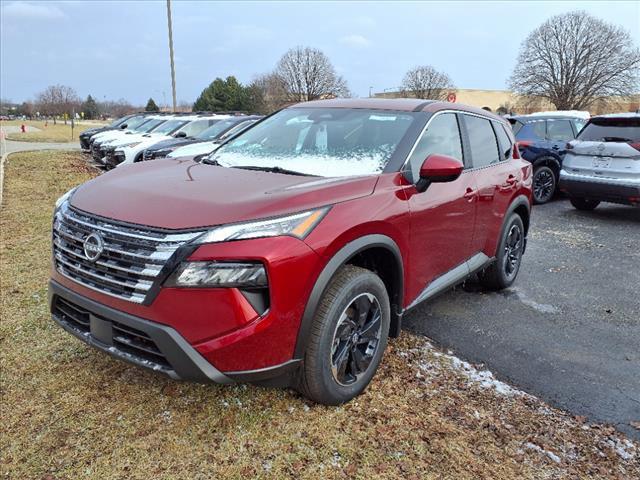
x: 503, y: 272
x: 348, y: 337
x: 544, y: 184
x: 584, y: 203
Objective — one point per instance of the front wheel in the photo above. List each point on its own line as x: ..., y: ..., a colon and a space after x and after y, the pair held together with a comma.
x: 348, y: 337
x: 503, y: 272
x: 544, y: 184
x: 584, y: 203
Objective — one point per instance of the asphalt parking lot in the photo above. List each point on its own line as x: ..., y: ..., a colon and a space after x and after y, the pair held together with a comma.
x: 568, y: 331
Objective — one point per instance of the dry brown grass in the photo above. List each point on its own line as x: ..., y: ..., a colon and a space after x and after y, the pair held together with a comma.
x: 58, y: 133
x: 69, y: 412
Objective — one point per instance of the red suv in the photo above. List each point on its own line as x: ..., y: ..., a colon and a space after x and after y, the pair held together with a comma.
x: 289, y: 256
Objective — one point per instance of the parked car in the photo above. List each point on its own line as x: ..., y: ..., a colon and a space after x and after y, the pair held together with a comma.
x: 290, y: 255
x: 101, y: 141
x: 206, y: 141
x: 120, y: 123
x: 603, y: 163
x: 135, y: 126
x: 541, y: 141
x: 179, y: 126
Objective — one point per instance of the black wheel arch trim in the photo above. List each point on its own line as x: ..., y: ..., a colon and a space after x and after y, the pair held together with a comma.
x: 519, y: 201
x: 340, y: 259
x: 550, y: 162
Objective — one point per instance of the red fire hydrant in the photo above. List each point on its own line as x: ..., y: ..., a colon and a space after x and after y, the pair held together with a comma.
x: 23, y: 129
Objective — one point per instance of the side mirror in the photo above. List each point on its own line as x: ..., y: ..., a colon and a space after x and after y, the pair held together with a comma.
x: 438, y: 169
x: 123, y: 126
x: 181, y: 135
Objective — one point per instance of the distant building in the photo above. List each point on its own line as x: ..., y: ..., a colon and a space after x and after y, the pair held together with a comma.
x: 505, y: 101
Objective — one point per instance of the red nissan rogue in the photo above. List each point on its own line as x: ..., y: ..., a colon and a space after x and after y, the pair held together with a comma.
x: 289, y: 256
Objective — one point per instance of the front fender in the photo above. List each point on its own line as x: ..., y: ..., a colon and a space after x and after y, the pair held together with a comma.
x: 340, y: 258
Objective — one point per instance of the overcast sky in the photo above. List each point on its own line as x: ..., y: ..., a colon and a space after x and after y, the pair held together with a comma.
x: 120, y: 49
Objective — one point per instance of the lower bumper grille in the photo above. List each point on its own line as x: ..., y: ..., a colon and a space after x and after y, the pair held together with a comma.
x: 123, y: 339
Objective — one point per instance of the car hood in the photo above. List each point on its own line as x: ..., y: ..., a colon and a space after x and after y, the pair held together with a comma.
x: 196, y: 148
x: 183, y: 194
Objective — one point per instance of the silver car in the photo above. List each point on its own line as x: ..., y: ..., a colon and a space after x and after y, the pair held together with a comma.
x: 603, y: 163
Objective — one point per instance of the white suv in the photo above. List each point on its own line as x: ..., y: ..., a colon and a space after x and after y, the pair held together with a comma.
x: 603, y: 163
x: 130, y: 150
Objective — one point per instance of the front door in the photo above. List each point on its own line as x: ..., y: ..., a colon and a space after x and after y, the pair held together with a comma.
x: 442, y: 217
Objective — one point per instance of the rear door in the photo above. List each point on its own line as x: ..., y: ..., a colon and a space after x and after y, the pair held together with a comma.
x: 608, y: 148
x: 495, y: 176
x: 559, y: 132
x: 442, y: 217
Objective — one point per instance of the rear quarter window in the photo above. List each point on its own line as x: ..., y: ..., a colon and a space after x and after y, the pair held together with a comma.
x: 504, y: 141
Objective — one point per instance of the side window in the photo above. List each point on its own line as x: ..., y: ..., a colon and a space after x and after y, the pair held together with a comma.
x: 506, y: 148
x: 442, y: 136
x: 484, y: 147
x: 559, y: 130
x: 534, y: 130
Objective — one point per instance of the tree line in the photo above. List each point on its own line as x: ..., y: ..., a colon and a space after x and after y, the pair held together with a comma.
x: 572, y: 60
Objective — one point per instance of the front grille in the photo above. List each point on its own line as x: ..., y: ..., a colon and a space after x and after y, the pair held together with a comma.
x: 128, y: 341
x: 108, y: 154
x: 131, y: 259
x: 95, y: 151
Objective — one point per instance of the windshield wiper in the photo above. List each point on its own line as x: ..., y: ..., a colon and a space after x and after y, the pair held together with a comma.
x: 210, y: 161
x: 273, y: 170
x: 616, y: 139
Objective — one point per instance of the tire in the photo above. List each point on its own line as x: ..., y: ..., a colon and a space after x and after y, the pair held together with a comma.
x: 584, y: 203
x: 503, y: 272
x: 330, y: 374
x: 544, y: 184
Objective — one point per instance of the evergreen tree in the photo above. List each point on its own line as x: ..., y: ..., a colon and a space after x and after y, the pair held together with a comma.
x: 223, y: 95
x: 90, y: 108
x: 151, y: 106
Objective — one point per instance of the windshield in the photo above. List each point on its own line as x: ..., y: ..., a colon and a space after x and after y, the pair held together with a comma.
x: 147, y: 125
x: 119, y: 121
x: 215, y: 130
x: 611, y: 130
x: 169, y: 127
x: 328, y: 142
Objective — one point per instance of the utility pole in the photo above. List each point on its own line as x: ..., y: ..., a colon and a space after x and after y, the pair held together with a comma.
x: 173, y: 68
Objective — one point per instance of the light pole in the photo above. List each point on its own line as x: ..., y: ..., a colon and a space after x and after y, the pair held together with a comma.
x: 173, y: 68
x: 370, y: 88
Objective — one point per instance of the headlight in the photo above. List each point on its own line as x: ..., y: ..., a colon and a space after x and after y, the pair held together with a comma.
x: 218, y: 274
x: 298, y: 225
x: 64, y: 197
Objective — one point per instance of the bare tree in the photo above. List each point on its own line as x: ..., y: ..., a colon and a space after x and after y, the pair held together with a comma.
x: 574, y: 59
x: 57, y: 100
x: 118, y: 108
x: 306, y: 74
x: 428, y: 83
x: 268, y: 93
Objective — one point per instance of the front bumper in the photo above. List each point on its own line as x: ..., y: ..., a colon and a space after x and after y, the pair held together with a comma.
x: 604, y: 190
x: 143, y: 343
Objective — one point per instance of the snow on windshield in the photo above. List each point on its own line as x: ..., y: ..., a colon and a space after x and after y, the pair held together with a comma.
x: 328, y: 142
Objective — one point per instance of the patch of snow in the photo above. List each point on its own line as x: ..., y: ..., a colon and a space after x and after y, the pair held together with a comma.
x: 540, y: 307
x: 356, y: 164
x: 537, y: 448
x: 335, y: 460
x: 623, y: 447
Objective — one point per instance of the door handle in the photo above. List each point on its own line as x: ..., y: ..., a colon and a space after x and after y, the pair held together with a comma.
x: 511, y: 181
x: 470, y: 194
